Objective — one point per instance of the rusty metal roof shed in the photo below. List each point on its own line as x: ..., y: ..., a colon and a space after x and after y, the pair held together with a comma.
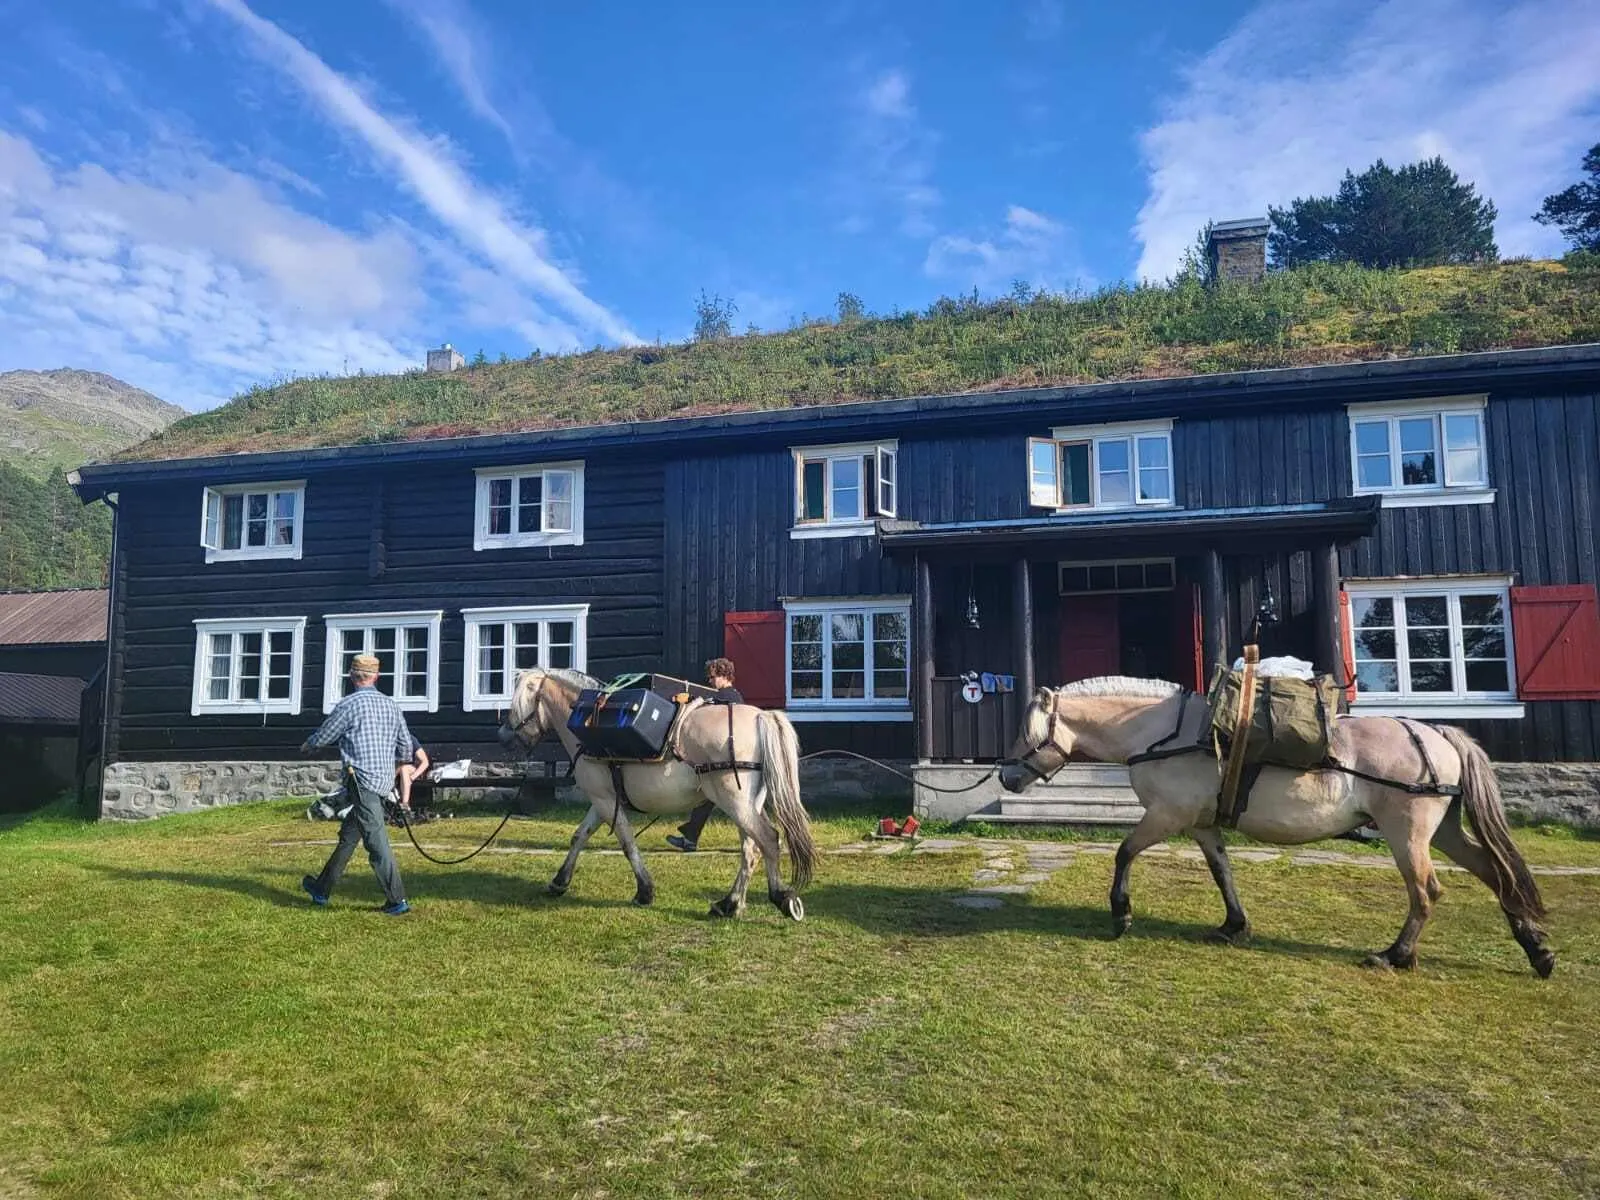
x: 39, y: 699
x: 53, y: 618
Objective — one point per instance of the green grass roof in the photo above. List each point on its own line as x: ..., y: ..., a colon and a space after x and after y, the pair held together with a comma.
x: 1315, y: 315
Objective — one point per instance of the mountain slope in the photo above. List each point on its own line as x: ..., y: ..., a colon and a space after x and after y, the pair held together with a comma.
x: 52, y: 420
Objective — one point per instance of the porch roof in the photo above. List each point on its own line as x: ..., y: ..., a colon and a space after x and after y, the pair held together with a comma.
x: 1170, y: 529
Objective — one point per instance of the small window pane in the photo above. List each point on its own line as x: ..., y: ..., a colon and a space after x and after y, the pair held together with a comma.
x: 249, y: 666
x: 1130, y: 576
x: 232, y: 522
x: 806, y: 656
x: 1488, y: 676
x: 1377, y: 676
x: 525, y: 645
x: 1374, y: 643
x: 1116, y: 479
x: 889, y: 626
x: 255, y: 529
x: 1075, y: 487
x: 807, y: 627
x: 1483, y: 641
x: 1432, y: 676
x: 280, y: 664
x: 563, y: 639
x: 530, y: 497
x: 1103, y: 577
x: 889, y: 685
x: 1427, y: 610
x: 1369, y: 611
x: 1428, y: 643
x: 1372, y: 437
x: 1042, y: 462
x: 491, y: 659
x: 1373, y: 472
x: 283, y: 513
x: 1158, y: 575
x: 1074, y: 579
x: 805, y: 685
x: 1418, y: 451
x: 847, y: 489
x: 220, y: 666
x: 499, y: 506
x: 812, y: 502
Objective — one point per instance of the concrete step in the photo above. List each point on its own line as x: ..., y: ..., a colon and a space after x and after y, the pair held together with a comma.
x: 1091, y: 775
x: 1064, y: 812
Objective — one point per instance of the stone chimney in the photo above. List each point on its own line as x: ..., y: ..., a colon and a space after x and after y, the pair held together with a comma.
x: 1238, y: 250
x: 445, y: 358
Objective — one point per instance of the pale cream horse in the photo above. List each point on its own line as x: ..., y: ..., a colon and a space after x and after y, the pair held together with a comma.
x: 1116, y: 719
x: 747, y: 757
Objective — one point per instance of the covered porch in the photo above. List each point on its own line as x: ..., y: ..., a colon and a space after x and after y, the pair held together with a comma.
x: 1155, y: 594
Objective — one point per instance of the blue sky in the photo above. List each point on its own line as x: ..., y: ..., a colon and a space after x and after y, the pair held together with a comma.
x: 197, y: 195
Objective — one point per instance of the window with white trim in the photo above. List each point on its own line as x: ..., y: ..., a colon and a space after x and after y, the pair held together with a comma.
x: 845, y: 487
x: 1432, y: 640
x: 247, y: 665
x: 529, y: 506
x: 406, y: 646
x: 501, y: 643
x: 252, y: 520
x: 849, y: 654
x: 1102, y: 466
x: 1421, y: 449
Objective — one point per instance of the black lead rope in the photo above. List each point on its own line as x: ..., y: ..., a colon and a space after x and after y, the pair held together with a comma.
x: 405, y: 819
x: 988, y: 775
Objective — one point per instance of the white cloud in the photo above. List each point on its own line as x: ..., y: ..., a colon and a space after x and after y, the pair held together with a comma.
x: 478, y: 220
x: 888, y: 159
x: 191, y: 280
x: 1507, y: 94
x: 1031, y: 247
x: 458, y: 39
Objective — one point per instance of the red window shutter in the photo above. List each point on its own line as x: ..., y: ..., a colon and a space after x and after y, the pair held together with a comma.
x: 755, y: 643
x: 1347, y: 646
x: 1556, y: 632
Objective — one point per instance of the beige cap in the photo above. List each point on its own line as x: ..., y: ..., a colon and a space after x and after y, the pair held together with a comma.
x: 365, y: 663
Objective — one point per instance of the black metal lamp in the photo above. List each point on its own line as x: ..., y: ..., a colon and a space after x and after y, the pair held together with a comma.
x: 972, y: 600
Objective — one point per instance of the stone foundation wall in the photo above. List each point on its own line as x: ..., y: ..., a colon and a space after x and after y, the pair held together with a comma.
x: 1564, y: 792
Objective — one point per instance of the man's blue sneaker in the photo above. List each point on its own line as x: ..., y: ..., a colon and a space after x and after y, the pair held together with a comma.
x: 398, y: 909
x: 309, y: 883
x: 682, y: 843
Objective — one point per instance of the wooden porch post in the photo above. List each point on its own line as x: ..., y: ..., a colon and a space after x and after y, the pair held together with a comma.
x: 1214, y: 612
x: 1325, y: 587
x: 922, y: 643
x: 1022, y: 633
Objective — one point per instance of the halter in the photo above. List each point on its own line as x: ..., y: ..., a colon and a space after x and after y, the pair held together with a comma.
x: 1049, y: 743
x: 533, y: 710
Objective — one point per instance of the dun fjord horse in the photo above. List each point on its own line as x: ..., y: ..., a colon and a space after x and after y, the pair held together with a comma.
x: 745, y: 757
x: 1116, y: 719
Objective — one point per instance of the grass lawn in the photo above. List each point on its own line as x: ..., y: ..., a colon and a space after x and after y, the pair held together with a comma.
x: 176, y: 1020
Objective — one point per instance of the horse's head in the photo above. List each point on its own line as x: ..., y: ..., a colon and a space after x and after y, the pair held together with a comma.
x: 1043, y: 746
x: 541, y: 700
x: 1106, y: 718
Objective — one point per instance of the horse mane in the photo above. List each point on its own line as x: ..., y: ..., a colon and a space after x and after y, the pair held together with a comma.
x: 566, y: 675
x: 1119, y: 685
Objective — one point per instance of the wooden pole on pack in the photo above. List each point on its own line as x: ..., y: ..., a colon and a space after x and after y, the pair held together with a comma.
x: 1228, y: 799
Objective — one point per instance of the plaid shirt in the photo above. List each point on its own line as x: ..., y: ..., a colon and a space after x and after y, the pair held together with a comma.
x: 372, y: 736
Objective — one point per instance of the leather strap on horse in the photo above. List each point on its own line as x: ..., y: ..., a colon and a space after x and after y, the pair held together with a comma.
x: 1227, y: 797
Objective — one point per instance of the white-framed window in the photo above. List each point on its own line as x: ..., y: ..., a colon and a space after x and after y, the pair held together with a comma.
x: 252, y: 520
x: 406, y: 645
x: 1117, y: 575
x: 848, y: 655
x: 529, y: 506
x: 1102, y: 466
x: 840, y: 490
x: 247, y: 665
x: 501, y: 643
x: 1421, y: 451
x: 1433, y: 643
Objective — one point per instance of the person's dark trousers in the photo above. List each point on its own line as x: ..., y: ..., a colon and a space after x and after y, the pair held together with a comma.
x: 697, y: 821
x: 364, y: 823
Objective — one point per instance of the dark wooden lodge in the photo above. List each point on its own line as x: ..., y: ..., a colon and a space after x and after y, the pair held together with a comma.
x: 1427, y: 525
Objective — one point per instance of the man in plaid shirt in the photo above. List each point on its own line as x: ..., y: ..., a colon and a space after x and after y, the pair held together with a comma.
x: 372, y: 736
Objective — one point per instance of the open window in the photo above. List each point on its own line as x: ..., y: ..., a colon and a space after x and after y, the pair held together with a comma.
x: 842, y: 490
x: 529, y: 506
x: 1102, y: 467
x: 255, y: 520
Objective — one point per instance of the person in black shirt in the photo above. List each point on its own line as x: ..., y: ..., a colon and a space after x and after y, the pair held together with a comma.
x: 719, y: 674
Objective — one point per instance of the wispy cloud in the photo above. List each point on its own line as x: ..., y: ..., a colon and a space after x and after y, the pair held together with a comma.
x: 888, y: 158
x: 425, y: 167
x: 1044, y: 20
x: 1030, y: 247
x: 190, y: 279
x: 457, y: 37
x: 1508, y: 94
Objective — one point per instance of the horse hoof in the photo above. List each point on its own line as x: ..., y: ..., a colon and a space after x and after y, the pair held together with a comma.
x: 724, y: 909
x: 1121, y: 925
x: 1225, y: 935
x: 1543, y: 962
x: 793, y: 907
x: 555, y: 889
x: 1384, y: 962
x: 644, y: 897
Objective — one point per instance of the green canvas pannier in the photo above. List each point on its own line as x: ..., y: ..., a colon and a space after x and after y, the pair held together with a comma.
x: 1291, y: 724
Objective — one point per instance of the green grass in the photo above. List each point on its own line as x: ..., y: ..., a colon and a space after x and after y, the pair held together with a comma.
x: 1317, y: 314
x: 175, y: 1020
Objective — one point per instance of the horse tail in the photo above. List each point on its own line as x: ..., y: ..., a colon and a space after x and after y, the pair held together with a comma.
x: 1480, y: 796
x: 780, y: 772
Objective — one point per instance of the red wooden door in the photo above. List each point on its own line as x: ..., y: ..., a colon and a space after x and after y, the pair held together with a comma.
x: 1091, y: 637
